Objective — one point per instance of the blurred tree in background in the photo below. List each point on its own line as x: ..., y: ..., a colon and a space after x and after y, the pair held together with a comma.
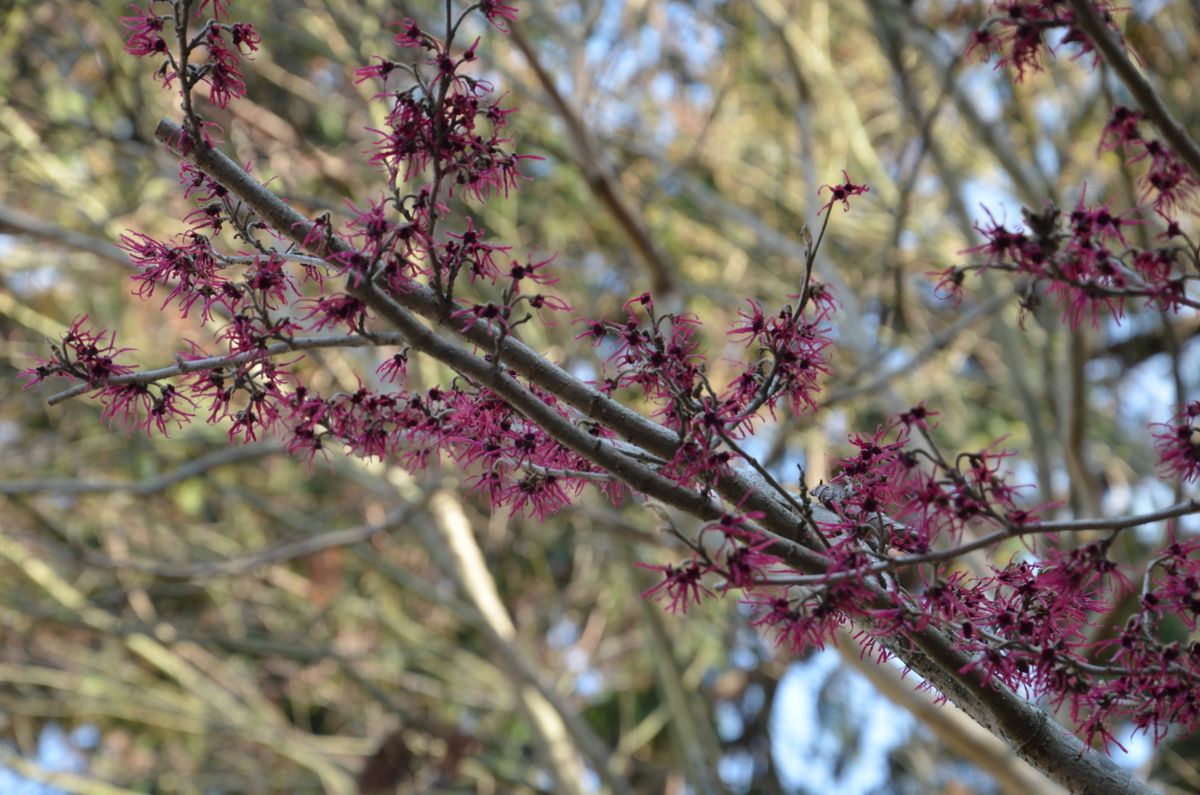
x: 234, y: 621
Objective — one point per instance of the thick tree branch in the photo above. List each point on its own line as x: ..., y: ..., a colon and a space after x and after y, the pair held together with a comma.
x: 740, y: 489
x: 929, y: 653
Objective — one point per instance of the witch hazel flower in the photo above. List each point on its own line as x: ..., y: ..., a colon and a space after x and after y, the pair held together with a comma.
x: 1081, y: 260
x: 1019, y: 33
x: 146, y: 406
x: 841, y: 193
x: 85, y: 353
x: 681, y: 585
x: 1167, y: 182
x: 145, y: 28
x: 1178, y: 444
x: 223, y: 72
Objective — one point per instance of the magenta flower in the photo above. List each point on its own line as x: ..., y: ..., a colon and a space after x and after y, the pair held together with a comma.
x: 220, y: 8
x: 1178, y: 444
x: 244, y: 34
x: 145, y: 406
x: 85, y: 353
x: 499, y: 14
x: 841, y: 193
x: 680, y: 585
x: 394, y: 368
x: 145, y: 32
x: 335, y: 310
x: 223, y: 76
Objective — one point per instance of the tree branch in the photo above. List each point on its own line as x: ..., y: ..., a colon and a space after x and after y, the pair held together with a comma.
x: 598, y: 172
x: 929, y: 653
x: 1147, y: 98
x: 154, y: 485
x: 1011, y: 531
x: 183, y: 366
x: 274, y: 554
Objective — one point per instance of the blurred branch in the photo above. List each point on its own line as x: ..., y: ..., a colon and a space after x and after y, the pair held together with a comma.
x: 818, y: 61
x: 951, y: 725
x: 913, y: 362
x: 18, y: 310
x: 598, y: 171
x: 274, y: 554
x: 60, y: 780
x: 1147, y: 98
x: 564, y: 737
x: 13, y: 221
x: 272, y: 126
x: 1031, y: 188
x: 223, y: 706
x: 766, y: 236
x: 695, y: 740
x: 218, y: 458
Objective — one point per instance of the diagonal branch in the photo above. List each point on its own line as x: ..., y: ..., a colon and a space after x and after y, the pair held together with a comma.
x: 279, y: 553
x: 1089, y: 21
x: 154, y: 485
x: 928, y: 652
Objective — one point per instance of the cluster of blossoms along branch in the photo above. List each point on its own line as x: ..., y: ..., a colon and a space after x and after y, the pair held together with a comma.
x: 899, y: 506
x: 1020, y: 33
x: 1083, y: 259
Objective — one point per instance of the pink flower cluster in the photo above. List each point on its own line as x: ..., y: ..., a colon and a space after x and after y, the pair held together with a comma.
x: 1083, y: 259
x: 894, y: 516
x: 1017, y: 32
x: 1167, y: 183
x: 221, y: 72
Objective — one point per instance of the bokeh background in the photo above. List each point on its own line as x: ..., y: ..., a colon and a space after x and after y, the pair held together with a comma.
x: 180, y: 616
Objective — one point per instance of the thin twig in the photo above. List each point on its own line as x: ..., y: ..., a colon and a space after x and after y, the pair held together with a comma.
x: 184, y: 366
x: 1010, y: 531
